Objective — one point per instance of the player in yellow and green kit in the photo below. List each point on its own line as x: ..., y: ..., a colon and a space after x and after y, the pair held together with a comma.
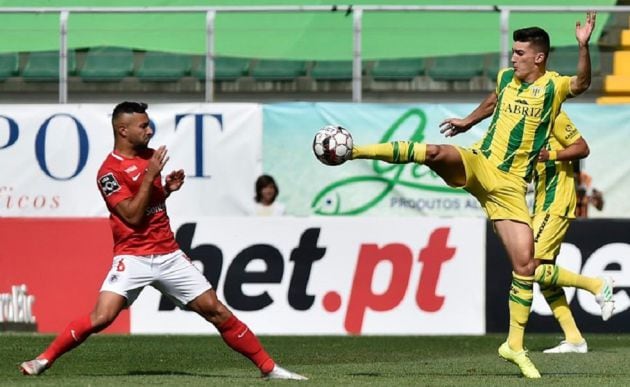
x: 523, y: 107
x: 554, y: 208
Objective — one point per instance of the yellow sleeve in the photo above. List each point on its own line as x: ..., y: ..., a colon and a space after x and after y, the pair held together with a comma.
x: 564, y: 131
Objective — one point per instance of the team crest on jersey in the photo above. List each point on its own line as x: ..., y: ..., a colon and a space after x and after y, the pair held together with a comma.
x: 108, y: 184
x: 536, y: 91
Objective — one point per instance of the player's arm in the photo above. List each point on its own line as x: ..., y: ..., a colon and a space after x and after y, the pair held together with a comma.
x: 132, y: 210
x: 582, y: 80
x: 575, y: 151
x: 453, y: 126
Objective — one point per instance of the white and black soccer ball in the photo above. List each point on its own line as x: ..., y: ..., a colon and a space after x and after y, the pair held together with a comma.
x: 332, y: 145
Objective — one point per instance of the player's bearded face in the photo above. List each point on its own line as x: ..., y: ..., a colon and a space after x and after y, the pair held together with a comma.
x: 139, y: 132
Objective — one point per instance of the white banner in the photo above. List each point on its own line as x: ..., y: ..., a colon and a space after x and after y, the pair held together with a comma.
x: 50, y: 155
x: 346, y: 275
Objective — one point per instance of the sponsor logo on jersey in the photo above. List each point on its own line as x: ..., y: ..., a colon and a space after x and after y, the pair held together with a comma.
x: 155, y: 209
x: 108, y: 184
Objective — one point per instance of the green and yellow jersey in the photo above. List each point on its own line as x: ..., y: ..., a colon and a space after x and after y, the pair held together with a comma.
x: 555, y: 185
x: 522, y: 120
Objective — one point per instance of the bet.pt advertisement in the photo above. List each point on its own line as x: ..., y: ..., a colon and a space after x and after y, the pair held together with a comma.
x: 324, y: 275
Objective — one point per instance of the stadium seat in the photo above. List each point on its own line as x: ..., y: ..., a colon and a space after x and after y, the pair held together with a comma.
x: 164, y: 67
x: 44, y: 66
x: 398, y: 69
x: 332, y: 70
x: 9, y: 63
x: 107, y: 64
x: 278, y: 70
x: 564, y: 60
x: 493, y: 67
x: 456, y: 68
x: 225, y: 68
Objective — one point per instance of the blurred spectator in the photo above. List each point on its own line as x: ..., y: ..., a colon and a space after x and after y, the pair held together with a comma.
x: 586, y: 194
x: 266, y: 194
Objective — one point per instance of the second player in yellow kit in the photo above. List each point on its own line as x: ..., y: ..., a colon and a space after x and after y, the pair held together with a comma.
x: 554, y: 208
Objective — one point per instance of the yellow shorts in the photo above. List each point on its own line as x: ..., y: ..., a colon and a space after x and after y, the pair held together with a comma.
x: 501, y: 194
x: 549, y: 231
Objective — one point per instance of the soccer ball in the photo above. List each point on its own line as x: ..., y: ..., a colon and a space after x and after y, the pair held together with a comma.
x: 332, y: 145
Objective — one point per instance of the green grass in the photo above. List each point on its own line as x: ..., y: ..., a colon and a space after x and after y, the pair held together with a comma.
x: 108, y: 360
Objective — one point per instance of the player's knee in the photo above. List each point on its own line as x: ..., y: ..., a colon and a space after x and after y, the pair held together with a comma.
x: 209, y: 307
x: 102, y: 319
x: 525, y: 267
x: 434, y: 153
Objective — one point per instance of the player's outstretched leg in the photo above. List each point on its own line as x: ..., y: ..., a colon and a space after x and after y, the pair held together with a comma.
x: 241, y: 339
x: 238, y: 336
x: 573, y: 341
x: 75, y: 333
x: 601, y: 288
x: 396, y: 152
x: 107, y: 308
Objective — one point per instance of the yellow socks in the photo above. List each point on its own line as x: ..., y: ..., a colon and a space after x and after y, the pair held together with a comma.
x: 520, y: 303
x: 397, y: 152
x: 557, y: 300
x: 553, y: 275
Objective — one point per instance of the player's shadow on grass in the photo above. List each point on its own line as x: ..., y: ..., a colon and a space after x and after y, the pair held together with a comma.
x: 183, y: 373
x: 371, y: 374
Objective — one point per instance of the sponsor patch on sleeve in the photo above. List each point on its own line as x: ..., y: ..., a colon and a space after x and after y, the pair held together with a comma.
x: 108, y: 184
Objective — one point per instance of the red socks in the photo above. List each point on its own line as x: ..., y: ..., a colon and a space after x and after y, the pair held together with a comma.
x: 235, y: 334
x: 238, y: 337
x: 75, y: 333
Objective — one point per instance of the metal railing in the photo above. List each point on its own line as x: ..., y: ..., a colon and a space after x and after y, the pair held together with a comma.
x: 357, y: 11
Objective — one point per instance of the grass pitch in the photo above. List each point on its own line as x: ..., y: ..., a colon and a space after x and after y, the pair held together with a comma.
x: 110, y: 360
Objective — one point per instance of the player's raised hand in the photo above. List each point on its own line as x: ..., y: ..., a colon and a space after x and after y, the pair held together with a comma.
x: 157, y: 162
x: 453, y: 126
x: 174, y: 180
x: 583, y: 32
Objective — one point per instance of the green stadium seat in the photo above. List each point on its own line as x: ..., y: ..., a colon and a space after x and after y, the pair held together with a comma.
x: 564, y: 60
x: 278, y: 70
x: 456, y: 68
x: 164, y: 67
x: 44, y: 66
x: 107, y: 64
x: 9, y: 64
x: 493, y: 67
x: 225, y: 68
x: 332, y: 70
x: 398, y: 69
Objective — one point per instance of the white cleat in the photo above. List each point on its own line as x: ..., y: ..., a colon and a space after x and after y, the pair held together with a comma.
x: 34, y: 367
x: 605, y: 298
x: 280, y: 373
x: 566, y: 347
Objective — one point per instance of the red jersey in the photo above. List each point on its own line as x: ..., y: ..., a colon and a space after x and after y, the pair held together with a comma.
x: 119, y: 178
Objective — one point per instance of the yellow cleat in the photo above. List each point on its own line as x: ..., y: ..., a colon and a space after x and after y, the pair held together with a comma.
x: 528, y: 369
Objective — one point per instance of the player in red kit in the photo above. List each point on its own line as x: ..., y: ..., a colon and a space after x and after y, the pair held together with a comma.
x: 145, y: 250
